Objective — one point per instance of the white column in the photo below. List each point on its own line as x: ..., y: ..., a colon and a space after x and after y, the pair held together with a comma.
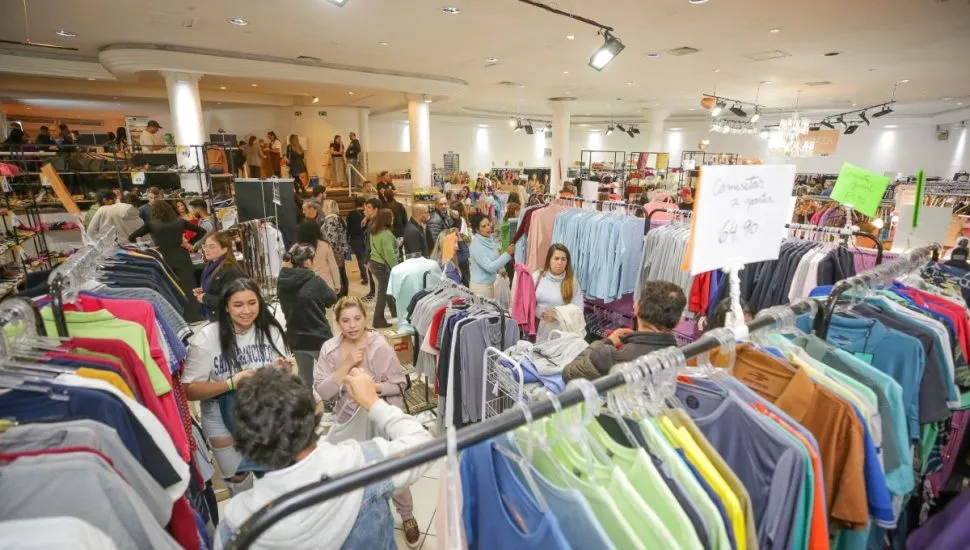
x: 187, y: 125
x: 363, y: 134
x: 420, y: 133
x: 560, y: 145
x: 655, y: 142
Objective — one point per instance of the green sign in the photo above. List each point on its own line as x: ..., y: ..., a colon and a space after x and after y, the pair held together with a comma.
x: 920, y: 182
x: 860, y: 188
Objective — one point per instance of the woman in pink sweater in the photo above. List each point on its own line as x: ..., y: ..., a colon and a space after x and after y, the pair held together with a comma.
x: 359, y: 347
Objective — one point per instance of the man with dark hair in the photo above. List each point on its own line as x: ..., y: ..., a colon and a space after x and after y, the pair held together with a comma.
x: 356, y: 238
x: 318, y: 194
x: 105, y: 197
x: 200, y: 210
x: 44, y: 137
x: 417, y: 240
x: 352, y: 154
x: 659, y: 310
x: 145, y: 211
x: 371, y: 207
x: 384, y: 181
x: 396, y: 208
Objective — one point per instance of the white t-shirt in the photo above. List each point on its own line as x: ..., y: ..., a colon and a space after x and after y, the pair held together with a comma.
x: 205, y: 361
x: 277, y: 146
x: 148, y: 139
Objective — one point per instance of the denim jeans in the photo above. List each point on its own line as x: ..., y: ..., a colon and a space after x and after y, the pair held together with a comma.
x: 374, y: 527
x: 360, y: 253
x: 383, y: 275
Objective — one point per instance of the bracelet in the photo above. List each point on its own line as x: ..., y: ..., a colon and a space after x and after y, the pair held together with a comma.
x: 231, y: 384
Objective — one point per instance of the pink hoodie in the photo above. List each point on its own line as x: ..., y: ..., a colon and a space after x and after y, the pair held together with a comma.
x: 380, y: 363
x: 524, y: 299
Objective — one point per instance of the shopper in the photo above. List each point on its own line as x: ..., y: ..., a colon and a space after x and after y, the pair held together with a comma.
x: 277, y: 427
x: 200, y: 211
x: 15, y: 139
x: 296, y: 160
x: 165, y: 228
x: 383, y: 257
x: 44, y: 137
x: 318, y: 194
x: 121, y: 139
x: 151, y: 138
x: 221, y: 269
x: 555, y: 286
x: 64, y: 136
x: 447, y: 246
x: 254, y: 157
x: 658, y: 311
x: 440, y: 219
x: 357, y: 348
x: 311, y: 212
x: 460, y: 217
x: 324, y: 263
x: 274, y: 152
x: 244, y: 337
x: 102, y: 197
x: 719, y: 315
x: 486, y: 262
x: 121, y: 216
x: 415, y: 234
x: 145, y: 210
x: 353, y: 159
x: 396, y: 208
x: 334, y: 231
x: 337, y: 160
x: 385, y: 181
x: 182, y: 210
x: 304, y: 298
x: 356, y: 237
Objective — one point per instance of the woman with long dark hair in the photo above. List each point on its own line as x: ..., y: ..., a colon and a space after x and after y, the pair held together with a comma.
x: 338, y: 161
x: 296, y: 159
x: 221, y: 268
x: 166, y: 229
x: 383, y: 257
x: 244, y: 337
x: 274, y: 151
x: 556, y: 286
x: 304, y: 298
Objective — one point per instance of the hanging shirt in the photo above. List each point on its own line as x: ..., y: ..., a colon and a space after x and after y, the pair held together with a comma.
x: 406, y: 279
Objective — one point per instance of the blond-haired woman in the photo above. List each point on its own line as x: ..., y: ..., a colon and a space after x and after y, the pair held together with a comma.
x: 447, y: 246
x: 334, y: 230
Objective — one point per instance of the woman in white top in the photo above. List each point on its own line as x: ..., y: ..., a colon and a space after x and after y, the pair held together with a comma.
x: 555, y: 286
x: 245, y: 337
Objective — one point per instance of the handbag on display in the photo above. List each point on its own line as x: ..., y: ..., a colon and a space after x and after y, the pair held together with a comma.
x: 660, y: 201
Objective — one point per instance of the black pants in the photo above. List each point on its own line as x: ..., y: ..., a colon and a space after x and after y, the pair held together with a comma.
x: 304, y: 364
x: 344, y: 283
x: 360, y: 253
x: 254, y: 171
x: 382, y: 273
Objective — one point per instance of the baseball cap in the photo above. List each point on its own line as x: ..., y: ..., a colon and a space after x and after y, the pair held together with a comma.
x: 960, y: 253
x: 154, y: 123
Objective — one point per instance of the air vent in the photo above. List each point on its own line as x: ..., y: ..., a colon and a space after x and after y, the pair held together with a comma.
x: 308, y: 58
x: 565, y: 98
x: 765, y: 56
x: 166, y: 20
x: 818, y: 83
x: 510, y: 84
x: 683, y: 50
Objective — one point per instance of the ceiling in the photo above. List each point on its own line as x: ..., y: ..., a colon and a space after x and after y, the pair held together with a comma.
x: 878, y: 42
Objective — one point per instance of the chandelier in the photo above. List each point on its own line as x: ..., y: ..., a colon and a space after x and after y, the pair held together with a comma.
x: 786, y: 140
x: 732, y: 127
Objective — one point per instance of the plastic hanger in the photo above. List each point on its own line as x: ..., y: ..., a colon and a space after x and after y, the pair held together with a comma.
x: 452, y: 487
x: 525, y: 463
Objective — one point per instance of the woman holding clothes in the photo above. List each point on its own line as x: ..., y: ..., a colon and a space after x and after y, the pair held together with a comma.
x: 555, y: 286
x: 485, y: 260
x: 383, y: 257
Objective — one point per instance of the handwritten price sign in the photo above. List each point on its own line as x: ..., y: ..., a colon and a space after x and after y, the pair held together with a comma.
x: 861, y: 188
x: 740, y: 214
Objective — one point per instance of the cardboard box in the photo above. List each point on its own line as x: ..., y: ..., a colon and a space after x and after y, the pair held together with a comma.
x: 403, y: 344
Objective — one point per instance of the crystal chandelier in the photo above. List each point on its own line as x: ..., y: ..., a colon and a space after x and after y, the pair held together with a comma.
x: 787, y: 139
x: 732, y: 127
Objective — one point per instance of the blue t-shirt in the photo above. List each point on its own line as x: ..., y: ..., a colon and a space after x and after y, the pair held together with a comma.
x: 498, y: 511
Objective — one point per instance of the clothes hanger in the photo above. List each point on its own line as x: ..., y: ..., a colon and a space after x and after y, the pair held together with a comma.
x: 453, y: 485
x: 525, y: 463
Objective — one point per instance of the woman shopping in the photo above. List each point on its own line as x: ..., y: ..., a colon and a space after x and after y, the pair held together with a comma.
x: 359, y: 348
x: 244, y: 337
x: 254, y: 157
x: 338, y: 162
x: 447, y: 247
x: 324, y: 264
x: 304, y: 298
x: 334, y: 230
x: 556, y: 287
x: 296, y: 159
x: 221, y: 268
x: 277, y: 428
x: 166, y: 230
x: 383, y: 257
x: 485, y: 260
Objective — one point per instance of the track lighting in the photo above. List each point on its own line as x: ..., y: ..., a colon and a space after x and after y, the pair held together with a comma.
x: 850, y: 129
x: 635, y: 130
x: 718, y: 108
x: 630, y: 133
x: 518, y: 126
x: 886, y: 109
x: 737, y: 110
x: 841, y: 120
x: 828, y: 124
x: 528, y: 128
x: 621, y: 128
x: 609, y: 130
x: 864, y: 118
x: 756, y: 116
x: 605, y: 54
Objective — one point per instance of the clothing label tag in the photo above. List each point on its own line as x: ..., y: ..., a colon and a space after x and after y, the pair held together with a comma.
x: 867, y: 357
x: 692, y: 402
x: 138, y: 178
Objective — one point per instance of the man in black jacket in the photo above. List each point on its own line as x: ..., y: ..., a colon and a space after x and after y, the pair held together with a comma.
x: 356, y: 237
x: 396, y: 208
x: 659, y: 310
x: 440, y: 220
x: 416, y: 237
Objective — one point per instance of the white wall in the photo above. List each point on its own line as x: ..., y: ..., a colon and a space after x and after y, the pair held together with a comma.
x: 906, y: 149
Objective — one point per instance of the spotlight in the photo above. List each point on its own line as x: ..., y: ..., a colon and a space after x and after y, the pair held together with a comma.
x: 621, y: 128
x: 841, y: 120
x: 630, y: 133
x: 610, y: 49
x: 763, y: 134
x: 851, y: 129
x: 609, y: 130
x: 635, y: 130
x: 828, y: 124
x: 548, y: 130
x: 316, y: 99
x: 339, y: 3
x: 886, y: 109
x: 518, y: 126
x: 739, y: 111
x: 864, y: 118
x: 512, y: 123
x: 756, y: 116
x: 718, y: 108
x: 528, y: 128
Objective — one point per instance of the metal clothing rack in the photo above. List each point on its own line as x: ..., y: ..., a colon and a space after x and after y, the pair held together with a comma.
x: 844, y: 232
x: 255, y: 250
x: 902, y: 264
x: 326, y: 489
x: 445, y: 283
x: 68, y: 277
x: 649, y: 215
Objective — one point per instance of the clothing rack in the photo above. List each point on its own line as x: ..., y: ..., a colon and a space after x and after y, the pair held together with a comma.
x: 326, y: 489
x: 445, y: 283
x: 255, y: 254
x: 649, y: 215
x: 844, y: 232
x: 888, y: 271
x: 68, y: 277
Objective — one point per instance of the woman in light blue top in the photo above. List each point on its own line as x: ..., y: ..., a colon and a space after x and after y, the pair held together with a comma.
x: 556, y: 286
x: 485, y: 259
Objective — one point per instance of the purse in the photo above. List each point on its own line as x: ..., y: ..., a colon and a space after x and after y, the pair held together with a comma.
x: 660, y: 201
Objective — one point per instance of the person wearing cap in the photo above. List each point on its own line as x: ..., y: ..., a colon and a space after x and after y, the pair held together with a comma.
x: 151, y: 139
x: 958, y: 256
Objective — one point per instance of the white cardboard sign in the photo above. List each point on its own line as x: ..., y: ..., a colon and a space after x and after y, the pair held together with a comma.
x: 740, y: 215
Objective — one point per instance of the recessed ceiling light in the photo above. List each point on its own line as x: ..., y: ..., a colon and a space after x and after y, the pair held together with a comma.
x: 350, y: 93
x: 854, y: 104
x: 653, y: 55
x: 451, y: 10
x: 65, y: 34
x: 692, y: 109
x: 483, y: 125
x: 696, y: 1
x: 775, y: 31
x: 890, y: 126
x: 222, y: 87
x: 717, y: 70
x: 766, y: 82
x: 629, y: 83
x: 253, y: 84
x: 237, y: 22
x: 315, y: 99
x: 491, y: 59
x: 218, y: 103
x: 565, y: 72
x: 676, y: 129
x: 385, y: 43
x: 114, y: 98
x: 947, y: 99
x: 904, y: 81
x: 584, y: 125
x: 91, y: 78
x: 567, y: 92
x: 570, y: 37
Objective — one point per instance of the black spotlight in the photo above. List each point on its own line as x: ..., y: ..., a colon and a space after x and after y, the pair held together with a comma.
x: 609, y: 50
x: 737, y: 110
x: 886, y: 109
x: 635, y: 130
x: 609, y: 130
x: 828, y: 124
x: 851, y: 129
x: 864, y: 118
x: 621, y: 128
x: 528, y: 128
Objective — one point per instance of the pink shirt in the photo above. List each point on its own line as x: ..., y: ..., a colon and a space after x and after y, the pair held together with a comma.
x: 137, y: 311
x: 540, y: 235
x: 524, y: 299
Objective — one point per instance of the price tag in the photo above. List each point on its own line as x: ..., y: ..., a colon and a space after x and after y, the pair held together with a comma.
x: 5, y: 185
x: 860, y: 188
x: 138, y: 178
x: 740, y: 214
x: 45, y: 181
